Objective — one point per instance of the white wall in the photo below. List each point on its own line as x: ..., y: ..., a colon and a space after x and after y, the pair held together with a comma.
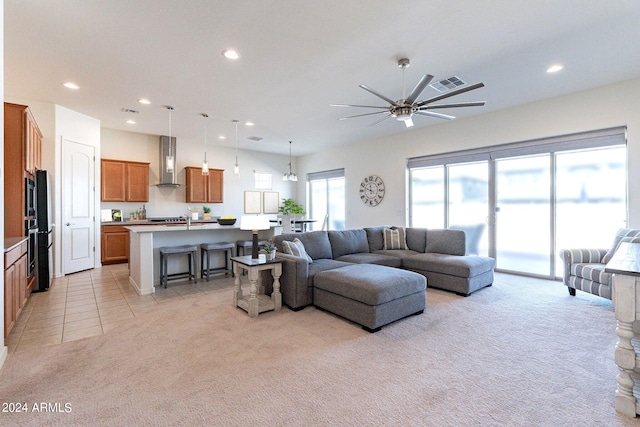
x: 604, y: 107
x: 165, y: 201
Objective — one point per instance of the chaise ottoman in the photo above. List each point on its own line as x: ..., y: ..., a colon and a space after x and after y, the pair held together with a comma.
x: 370, y: 295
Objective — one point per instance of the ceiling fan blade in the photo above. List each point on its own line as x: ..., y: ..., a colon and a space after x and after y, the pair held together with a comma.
x: 381, y: 120
x: 436, y: 115
x: 452, y: 93
x: 460, y: 104
x: 422, y: 84
x: 379, y: 95
x: 408, y: 123
x: 360, y: 115
x: 360, y: 106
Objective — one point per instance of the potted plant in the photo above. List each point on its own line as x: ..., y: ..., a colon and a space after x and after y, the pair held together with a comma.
x: 270, y: 250
x: 289, y: 207
x: 206, y: 213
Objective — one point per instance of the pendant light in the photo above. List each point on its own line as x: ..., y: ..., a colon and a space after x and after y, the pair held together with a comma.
x: 205, y: 163
x: 170, y: 160
x: 290, y: 176
x: 236, y: 166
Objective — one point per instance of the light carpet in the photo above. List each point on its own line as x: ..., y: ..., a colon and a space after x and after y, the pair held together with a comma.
x: 520, y: 353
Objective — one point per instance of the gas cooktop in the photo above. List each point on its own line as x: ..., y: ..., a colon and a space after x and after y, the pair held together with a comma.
x: 166, y: 219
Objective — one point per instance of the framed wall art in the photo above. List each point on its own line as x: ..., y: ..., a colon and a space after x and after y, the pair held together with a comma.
x: 252, y: 203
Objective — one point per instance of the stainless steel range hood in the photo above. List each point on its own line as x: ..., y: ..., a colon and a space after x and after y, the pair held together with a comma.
x: 167, y: 179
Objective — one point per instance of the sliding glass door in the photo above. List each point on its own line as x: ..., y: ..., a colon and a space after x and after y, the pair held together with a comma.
x: 523, y: 203
x: 468, y: 203
x: 327, y: 199
x: 523, y: 214
x: 590, y: 198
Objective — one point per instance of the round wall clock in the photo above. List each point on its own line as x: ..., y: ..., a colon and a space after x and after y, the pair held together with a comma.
x: 371, y: 190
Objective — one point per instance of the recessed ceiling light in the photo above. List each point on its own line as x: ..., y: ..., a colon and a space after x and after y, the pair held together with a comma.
x: 222, y: 137
x: 70, y: 85
x: 131, y: 122
x: 144, y: 101
x: 554, y: 68
x: 230, y: 54
x: 249, y: 124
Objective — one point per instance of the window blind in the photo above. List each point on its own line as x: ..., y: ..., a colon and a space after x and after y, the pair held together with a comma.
x: 591, y: 139
x: 334, y: 173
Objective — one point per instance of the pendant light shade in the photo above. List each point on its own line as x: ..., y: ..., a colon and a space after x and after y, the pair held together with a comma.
x: 290, y: 176
x: 236, y: 166
x: 170, y: 160
x: 205, y: 163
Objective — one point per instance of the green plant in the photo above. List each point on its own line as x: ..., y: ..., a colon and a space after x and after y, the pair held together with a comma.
x: 289, y: 207
x: 269, y: 247
x: 206, y: 209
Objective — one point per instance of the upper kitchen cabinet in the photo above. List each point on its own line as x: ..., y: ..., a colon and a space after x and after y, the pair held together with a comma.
x: 22, y: 145
x: 23, y: 134
x: 203, y: 188
x: 124, y: 181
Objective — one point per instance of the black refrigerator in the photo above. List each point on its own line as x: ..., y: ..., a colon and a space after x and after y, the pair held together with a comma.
x: 44, y: 257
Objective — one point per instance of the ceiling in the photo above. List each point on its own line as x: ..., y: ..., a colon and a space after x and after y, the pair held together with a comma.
x: 299, y: 56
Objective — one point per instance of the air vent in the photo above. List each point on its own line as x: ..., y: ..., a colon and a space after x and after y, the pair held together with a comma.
x: 129, y: 110
x: 254, y: 138
x: 447, y: 84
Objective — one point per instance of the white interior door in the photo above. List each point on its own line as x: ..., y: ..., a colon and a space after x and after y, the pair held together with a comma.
x: 78, y: 207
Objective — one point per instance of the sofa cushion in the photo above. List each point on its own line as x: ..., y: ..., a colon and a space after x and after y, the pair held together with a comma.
x: 344, y: 242
x: 621, y: 234
x: 417, y: 239
x: 296, y: 248
x: 323, y: 264
x: 316, y: 243
x: 593, y: 272
x: 394, y: 238
x: 374, y: 237
x: 453, y: 265
x: 372, y: 258
x: 450, y: 242
x: 397, y: 253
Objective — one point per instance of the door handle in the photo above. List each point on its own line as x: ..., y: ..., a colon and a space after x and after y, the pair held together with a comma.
x: 68, y: 224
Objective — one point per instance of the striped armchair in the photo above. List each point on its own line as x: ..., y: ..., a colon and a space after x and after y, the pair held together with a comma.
x: 584, y: 268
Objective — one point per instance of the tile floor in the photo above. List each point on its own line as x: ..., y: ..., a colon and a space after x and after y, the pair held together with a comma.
x: 92, y: 302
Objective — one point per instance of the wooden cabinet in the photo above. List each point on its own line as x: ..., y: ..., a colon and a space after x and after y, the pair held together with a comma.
x: 33, y: 141
x: 114, y: 244
x: 22, y: 152
x: 15, y: 285
x: 202, y: 188
x: 123, y: 181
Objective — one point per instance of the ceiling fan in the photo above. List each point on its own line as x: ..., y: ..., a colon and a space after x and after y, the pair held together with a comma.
x: 403, y: 109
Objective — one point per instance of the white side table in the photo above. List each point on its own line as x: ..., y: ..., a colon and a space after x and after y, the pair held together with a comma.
x: 625, y: 266
x: 256, y: 302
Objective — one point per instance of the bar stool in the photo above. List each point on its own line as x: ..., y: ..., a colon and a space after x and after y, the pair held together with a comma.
x: 205, y: 251
x: 166, y: 251
x: 247, y: 245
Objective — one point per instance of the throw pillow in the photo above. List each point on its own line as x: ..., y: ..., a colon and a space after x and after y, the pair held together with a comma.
x: 296, y: 248
x: 621, y: 234
x: 395, y: 238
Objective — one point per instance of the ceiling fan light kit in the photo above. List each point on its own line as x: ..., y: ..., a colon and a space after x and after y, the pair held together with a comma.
x: 405, y: 108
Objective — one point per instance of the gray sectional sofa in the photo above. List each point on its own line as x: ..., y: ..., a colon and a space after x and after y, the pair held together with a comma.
x: 438, y: 255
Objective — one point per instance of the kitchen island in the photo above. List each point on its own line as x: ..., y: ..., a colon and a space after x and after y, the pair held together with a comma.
x: 146, y: 240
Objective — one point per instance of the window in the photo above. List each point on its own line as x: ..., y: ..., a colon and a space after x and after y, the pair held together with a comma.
x: 522, y: 203
x: 327, y: 199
